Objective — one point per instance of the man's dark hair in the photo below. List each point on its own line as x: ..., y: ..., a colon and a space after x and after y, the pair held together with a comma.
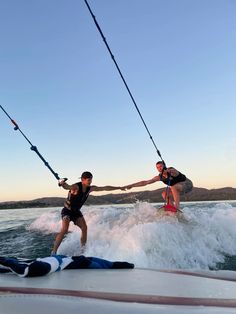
x: 162, y: 163
x: 86, y: 175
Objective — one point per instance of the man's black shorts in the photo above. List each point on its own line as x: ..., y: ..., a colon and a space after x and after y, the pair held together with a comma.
x: 71, y: 214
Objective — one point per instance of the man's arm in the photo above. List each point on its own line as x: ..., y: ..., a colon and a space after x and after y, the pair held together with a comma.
x: 95, y: 188
x: 142, y: 183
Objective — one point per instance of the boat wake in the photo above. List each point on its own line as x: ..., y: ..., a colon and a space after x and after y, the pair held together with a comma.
x: 139, y: 234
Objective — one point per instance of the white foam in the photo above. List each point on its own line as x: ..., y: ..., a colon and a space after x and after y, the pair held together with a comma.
x: 47, y: 223
x: 134, y: 233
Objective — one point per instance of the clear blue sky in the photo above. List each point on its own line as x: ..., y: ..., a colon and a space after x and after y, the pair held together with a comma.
x: 59, y: 83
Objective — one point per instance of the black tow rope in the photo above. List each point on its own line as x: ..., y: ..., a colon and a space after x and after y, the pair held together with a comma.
x: 34, y: 148
x: 123, y: 79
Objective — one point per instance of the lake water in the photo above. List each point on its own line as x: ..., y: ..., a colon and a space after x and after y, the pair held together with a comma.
x: 135, y: 233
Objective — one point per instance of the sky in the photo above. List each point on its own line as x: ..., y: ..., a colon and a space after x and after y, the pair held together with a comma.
x: 58, y: 82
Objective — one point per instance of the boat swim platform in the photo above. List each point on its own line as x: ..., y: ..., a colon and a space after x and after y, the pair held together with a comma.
x: 120, y: 291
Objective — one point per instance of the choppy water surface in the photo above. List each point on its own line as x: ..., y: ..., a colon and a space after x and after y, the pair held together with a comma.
x: 135, y: 233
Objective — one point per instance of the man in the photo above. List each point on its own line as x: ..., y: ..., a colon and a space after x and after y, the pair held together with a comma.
x: 77, y: 196
x: 176, y: 182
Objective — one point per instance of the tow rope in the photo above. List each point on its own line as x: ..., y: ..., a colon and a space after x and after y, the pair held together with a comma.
x: 33, y: 147
x: 123, y: 79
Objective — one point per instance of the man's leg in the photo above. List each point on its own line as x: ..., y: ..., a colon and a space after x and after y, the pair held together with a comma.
x: 176, y: 190
x: 81, y: 223
x: 167, y: 196
x: 60, y: 235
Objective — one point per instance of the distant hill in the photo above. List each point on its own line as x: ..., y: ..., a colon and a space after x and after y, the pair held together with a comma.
x: 197, y: 194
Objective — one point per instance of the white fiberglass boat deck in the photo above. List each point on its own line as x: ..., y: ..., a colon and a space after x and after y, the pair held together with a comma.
x: 120, y: 291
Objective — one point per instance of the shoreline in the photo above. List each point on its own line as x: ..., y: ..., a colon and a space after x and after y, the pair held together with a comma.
x: 153, y: 196
x: 11, y: 206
